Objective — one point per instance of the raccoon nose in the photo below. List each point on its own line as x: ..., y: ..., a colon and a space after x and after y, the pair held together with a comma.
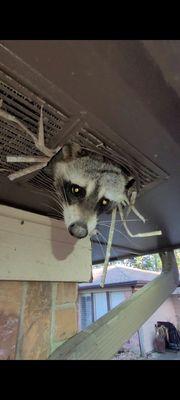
x: 78, y: 229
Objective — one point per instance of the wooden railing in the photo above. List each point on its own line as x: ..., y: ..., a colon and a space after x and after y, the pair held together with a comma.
x: 102, y: 339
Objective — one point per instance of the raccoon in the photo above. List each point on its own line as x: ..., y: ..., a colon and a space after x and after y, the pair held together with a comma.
x: 88, y: 186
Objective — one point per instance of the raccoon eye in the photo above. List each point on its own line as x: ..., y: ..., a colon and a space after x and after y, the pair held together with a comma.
x: 78, y: 191
x: 103, y: 205
x: 75, y: 189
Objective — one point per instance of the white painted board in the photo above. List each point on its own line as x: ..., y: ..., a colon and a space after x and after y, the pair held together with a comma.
x: 38, y: 248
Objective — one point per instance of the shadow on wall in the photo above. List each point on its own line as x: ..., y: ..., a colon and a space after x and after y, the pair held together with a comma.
x: 62, y: 242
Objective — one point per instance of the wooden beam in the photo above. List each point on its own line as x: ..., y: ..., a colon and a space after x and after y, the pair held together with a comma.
x: 38, y: 248
x: 102, y: 340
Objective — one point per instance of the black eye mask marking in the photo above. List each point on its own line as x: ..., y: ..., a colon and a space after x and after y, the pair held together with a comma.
x: 72, y: 193
x: 77, y: 191
x: 103, y: 205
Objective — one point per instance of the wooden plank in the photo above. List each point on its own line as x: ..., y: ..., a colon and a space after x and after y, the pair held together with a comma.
x: 101, y: 340
x: 38, y: 248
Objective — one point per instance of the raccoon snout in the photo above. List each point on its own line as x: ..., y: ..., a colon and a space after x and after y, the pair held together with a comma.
x: 78, y: 229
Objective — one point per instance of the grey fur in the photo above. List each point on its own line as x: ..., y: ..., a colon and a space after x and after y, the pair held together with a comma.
x: 99, y: 180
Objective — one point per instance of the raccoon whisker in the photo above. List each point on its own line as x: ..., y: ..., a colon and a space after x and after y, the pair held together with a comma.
x: 49, y: 196
x: 48, y: 186
x: 44, y: 188
x: 119, y: 220
x: 53, y: 208
x: 40, y: 189
x: 42, y: 178
x: 145, y: 234
x: 41, y: 174
x: 59, y: 194
x: 65, y: 194
x: 100, y: 245
x: 50, y: 190
x: 53, y: 215
x: 108, y: 248
x: 104, y: 238
x: 56, y: 207
x: 117, y: 230
x: 57, y: 200
x: 59, y: 207
x: 36, y: 183
x: 130, y: 240
x: 112, y: 249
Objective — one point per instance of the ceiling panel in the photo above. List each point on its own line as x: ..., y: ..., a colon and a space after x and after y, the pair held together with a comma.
x: 129, y: 94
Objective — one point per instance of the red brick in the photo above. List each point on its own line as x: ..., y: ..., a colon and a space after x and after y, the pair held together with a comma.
x: 10, y: 302
x: 66, y: 292
x: 10, y: 296
x: 36, y: 324
x: 65, y: 323
x: 8, y: 335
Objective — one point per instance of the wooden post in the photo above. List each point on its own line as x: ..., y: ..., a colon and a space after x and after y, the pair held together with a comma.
x: 102, y: 339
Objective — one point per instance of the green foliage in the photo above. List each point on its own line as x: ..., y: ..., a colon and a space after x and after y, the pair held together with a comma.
x: 177, y: 253
x: 150, y: 262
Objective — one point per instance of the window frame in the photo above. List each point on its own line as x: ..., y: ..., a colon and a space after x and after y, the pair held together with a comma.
x: 91, y: 294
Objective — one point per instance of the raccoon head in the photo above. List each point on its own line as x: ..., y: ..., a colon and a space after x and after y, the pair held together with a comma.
x: 88, y: 187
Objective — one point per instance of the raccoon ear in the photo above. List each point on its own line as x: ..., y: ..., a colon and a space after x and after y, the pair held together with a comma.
x: 131, y: 181
x: 70, y: 151
x: 130, y: 187
x: 49, y: 169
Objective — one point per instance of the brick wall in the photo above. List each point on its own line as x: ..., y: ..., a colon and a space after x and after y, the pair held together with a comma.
x: 35, y: 317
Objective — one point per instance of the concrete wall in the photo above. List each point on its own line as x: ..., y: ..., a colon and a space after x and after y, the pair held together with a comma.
x: 176, y: 303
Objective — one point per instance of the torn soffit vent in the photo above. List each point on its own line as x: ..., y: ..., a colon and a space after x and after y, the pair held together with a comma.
x: 24, y: 105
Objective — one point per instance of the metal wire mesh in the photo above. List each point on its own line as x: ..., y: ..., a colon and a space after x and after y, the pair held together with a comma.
x: 25, y: 105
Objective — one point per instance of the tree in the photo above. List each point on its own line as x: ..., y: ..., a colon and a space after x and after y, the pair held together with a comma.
x: 149, y: 262
x: 177, y: 254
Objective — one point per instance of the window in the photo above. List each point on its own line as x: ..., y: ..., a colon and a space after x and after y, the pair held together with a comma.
x: 116, y: 298
x: 85, y: 310
x: 94, y: 305
x: 100, y: 305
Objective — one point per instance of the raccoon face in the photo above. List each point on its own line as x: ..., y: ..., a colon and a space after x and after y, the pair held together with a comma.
x: 87, y: 186
x: 82, y: 207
